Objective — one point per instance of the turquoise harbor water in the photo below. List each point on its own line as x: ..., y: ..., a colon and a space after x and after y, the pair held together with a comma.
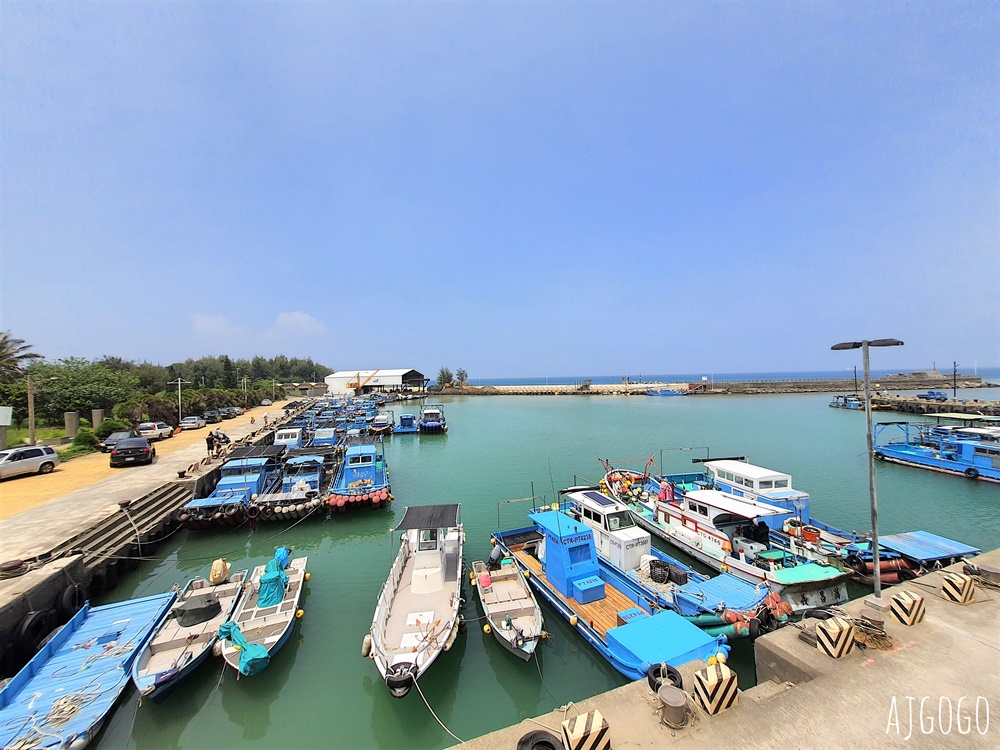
x: 320, y: 692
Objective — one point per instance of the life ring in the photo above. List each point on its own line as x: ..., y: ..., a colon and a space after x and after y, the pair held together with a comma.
x: 539, y: 740
x: 661, y: 673
x: 879, y: 456
x: 70, y: 600
x: 972, y: 473
x: 32, y: 629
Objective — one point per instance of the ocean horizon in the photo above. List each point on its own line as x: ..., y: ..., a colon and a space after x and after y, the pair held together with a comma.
x: 991, y: 374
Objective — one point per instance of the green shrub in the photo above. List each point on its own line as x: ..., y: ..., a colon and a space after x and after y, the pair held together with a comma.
x: 85, y: 438
x: 111, y: 425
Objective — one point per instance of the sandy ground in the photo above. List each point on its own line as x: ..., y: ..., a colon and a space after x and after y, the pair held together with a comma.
x: 31, y: 490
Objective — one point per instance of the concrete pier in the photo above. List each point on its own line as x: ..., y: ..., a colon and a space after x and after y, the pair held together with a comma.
x: 924, y: 692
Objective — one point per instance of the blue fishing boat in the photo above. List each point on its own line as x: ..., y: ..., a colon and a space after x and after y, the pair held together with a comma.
x: 723, y: 604
x: 407, y: 424
x: 972, y: 452
x: 227, y: 505
x: 851, y: 401
x: 432, y: 419
x: 560, y: 559
x: 290, y: 437
x: 664, y: 392
x: 299, y: 495
x: 186, y: 637
x: 362, y: 479
x: 62, y: 696
x: 263, y: 620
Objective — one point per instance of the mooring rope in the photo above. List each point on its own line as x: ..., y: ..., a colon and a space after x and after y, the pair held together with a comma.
x: 440, y: 723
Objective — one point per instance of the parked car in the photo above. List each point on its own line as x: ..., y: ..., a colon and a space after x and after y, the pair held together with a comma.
x: 193, y: 423
x: 27, y: 460
x: 237, y: 410
x: 133, y: 451
x: 266, y: 402
x: 212, y: 416
x: 155, y: 430
x: 114, y: 438
x: 226, y: 412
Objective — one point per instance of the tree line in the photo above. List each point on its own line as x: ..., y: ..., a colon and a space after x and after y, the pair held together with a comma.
x: 134, y: 391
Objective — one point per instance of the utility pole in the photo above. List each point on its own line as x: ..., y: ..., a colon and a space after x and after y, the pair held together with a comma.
x: 954, y: 380
x: 244, y: 382
x: 179, y: 383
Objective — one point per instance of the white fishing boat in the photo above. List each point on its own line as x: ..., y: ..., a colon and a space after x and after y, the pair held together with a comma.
x: 512, y: 613
x: 266, y: 613
x: 185, y: 639
x: 416, y: 617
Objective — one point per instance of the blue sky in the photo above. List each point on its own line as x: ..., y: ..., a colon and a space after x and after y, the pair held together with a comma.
x: 512, y: 188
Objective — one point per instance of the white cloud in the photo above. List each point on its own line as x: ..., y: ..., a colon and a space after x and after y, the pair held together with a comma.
x: 295, y: 325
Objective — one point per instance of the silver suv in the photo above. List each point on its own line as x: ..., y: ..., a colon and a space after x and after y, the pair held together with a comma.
x: 27, y: 460
x: 155, y: 430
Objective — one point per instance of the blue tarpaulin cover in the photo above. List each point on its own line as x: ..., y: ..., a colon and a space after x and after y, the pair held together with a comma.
x: 274, y: 580
x: 253, y: 656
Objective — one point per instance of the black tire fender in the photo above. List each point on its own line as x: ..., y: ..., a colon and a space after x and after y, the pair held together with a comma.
x: 70, y: 600
x: 658, y: 674
x: 879, y: 456
x: 539, y: 740
x: 972, y: 473
x: 32, y: 629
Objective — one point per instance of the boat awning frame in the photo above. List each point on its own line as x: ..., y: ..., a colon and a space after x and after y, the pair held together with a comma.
x: 429, y: 517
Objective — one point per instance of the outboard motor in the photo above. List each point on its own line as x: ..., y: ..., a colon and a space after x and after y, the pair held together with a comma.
x: 496, y: 554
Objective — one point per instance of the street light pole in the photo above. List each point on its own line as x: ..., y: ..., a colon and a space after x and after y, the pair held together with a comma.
x: 178, y: 383
x: 31, y: 411
x: 273, y: 383
x: 864, y: 345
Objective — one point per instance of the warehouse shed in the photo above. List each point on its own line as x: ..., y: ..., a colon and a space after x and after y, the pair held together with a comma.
x: 358, y: 382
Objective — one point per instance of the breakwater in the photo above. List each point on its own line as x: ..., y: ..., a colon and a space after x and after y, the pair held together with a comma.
x: 804, y: 385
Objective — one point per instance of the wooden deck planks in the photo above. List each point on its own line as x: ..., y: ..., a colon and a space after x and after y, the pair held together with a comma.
x: 602, y: 614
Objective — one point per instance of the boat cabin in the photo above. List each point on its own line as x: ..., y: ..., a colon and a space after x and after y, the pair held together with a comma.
x: 308, y: 469
x: 431, y: 533
x: 289, y: 436
x: 616, y: 534
x: 743, y: 522
x: 569, y: 556
x: 757, y: 483
x: 325, y: 436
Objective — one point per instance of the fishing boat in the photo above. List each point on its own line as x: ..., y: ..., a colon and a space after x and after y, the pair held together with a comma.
x: 303, y: 479
x: 291, y: 437
x: 383, y: 423
x: 664, y: 392
x: 972, y: 452
x: 263, y: 620
x: 560, y: 559
x: 511, y: 610
x: 240, y: 479
x: 362, y: 479
x: 850, y: 401
x: 407, y: 424
x: 432, y: 419
x: 61, y: 697
x: 723, y: 604
x: 185, y: 639
x: 416, y: 617
x: 723, y: 530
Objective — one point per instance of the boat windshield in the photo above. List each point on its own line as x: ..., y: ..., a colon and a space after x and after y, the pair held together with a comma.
x: 621, y: 520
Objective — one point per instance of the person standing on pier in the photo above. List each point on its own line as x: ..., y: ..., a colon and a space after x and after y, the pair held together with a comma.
x: 210, y: 444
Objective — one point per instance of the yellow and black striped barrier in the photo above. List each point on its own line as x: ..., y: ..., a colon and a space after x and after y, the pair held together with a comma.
x: 716, y: 688
x: 587, y: 731
x: 907, y: 607
x: 835, y: 637
x: 958, y: 588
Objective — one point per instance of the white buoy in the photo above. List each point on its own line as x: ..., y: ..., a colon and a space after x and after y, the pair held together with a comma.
x: 366, y: 646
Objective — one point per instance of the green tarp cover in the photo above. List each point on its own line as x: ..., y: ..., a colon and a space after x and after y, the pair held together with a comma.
x: 253, y: 656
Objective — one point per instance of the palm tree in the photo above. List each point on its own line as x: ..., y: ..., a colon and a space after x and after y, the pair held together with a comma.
x: 14, y: 356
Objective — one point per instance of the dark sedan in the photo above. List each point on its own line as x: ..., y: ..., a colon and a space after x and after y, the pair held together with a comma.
x: 211, y: 417
x: 114, y: 438
x: 132, y: 451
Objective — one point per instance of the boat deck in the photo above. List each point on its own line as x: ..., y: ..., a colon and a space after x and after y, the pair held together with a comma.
x: 266, y: 626
x: 602, y: 614
x: 418, y: 619
x: 508, y: 595
x: 169, y: 646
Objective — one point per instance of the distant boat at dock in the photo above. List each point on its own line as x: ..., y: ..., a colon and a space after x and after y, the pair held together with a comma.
x: 432, y: 419
x: 969, y: 451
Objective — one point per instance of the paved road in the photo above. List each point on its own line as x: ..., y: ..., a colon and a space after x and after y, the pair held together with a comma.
x: 40, y: 512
